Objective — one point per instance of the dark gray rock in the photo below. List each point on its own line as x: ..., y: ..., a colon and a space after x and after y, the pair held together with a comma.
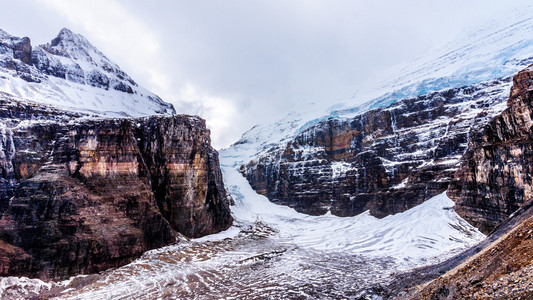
x: 384, y: 160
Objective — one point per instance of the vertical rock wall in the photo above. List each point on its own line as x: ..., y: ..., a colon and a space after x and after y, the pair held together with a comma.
x: 385, y: 160
x: 83, y: 196
x: 495, y: 177
x: 185, y: 174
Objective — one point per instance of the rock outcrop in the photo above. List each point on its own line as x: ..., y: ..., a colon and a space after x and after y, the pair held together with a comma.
x: 84, y: 195
x: 384, y: 160
x: 494, y: 179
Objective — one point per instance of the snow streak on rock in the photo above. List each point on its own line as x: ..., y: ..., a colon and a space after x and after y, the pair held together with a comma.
x: 385, y: 160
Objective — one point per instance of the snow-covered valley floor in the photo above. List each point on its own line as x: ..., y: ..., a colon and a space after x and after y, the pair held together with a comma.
x: 274, y: 252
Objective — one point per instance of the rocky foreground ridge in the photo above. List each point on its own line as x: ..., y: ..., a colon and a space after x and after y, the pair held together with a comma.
x: 79, y: 195
x: 502, y: 270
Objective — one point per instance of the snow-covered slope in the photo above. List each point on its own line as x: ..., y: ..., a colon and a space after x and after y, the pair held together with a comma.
x: 274, y: 252
x: 72, y: 74
x: 496, y: 49
x: 424, y: 233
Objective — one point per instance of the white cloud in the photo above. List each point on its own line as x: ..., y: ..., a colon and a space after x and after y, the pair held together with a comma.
x: 218, y: 112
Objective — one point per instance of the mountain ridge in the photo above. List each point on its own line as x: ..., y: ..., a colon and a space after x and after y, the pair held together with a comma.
x: 496, y: 49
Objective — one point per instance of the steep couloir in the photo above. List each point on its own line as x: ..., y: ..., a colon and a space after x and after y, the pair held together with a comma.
x: 84, y: 195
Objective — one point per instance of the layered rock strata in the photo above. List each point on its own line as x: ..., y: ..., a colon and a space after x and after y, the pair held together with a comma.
x: 494, y: 179
x: 82, y: 196
x: 492, y: 190
x: 503, y: 270
x: 385, y: 160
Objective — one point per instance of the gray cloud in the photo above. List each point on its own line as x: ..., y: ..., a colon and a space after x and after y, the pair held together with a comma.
x: 237, y: 63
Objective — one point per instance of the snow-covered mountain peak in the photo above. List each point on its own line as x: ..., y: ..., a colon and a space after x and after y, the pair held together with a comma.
x: 70, y: 73
x: 76, y: 52
x: 8, y: 41
x: 76, y: 47
x: 66, y: 36
x: 4, y: 35
x: 496, y: 49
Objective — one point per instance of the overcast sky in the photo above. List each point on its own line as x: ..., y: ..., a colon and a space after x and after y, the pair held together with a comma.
x: 240, y: 62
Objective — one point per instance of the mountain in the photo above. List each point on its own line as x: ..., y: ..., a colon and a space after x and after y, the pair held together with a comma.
x: 422, y: 177
x: 87, y: 181
x: 72, y: 74
x: 400, y: 148
x: 384, y: 160
x: 443, y: 123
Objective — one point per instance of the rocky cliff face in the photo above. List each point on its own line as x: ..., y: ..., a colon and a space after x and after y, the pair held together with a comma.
x: 184, y: 173
x: 85, y: 195
x: 385, y: 160
x: 503, y: 270
x: 495, y: 175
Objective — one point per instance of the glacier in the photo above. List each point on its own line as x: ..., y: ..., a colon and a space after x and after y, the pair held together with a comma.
x: 494, y: 50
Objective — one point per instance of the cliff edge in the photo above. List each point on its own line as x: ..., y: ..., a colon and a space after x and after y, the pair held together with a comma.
x: 82, y: 195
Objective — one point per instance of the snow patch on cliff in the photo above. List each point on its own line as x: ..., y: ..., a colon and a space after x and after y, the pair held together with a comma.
x: 339, y: 168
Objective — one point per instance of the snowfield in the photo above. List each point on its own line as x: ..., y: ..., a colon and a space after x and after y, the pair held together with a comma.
x: 273, y: 251
x: 415, y: 237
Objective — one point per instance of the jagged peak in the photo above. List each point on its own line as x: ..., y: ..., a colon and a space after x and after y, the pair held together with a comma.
x: 4, y: 34
x: 77, y: 47
x: 65, y: 31
x: 67, y: 36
